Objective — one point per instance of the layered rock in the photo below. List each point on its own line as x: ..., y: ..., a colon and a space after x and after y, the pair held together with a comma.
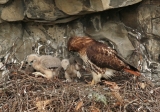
x: 130, y: 27
x: 51, y: 10
x: 3, y: 1
x: 13, y: 11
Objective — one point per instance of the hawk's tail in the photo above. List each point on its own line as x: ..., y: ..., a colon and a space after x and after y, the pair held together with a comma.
x: 136, y: 73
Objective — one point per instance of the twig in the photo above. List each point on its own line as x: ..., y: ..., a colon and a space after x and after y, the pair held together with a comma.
x: 128, y: 104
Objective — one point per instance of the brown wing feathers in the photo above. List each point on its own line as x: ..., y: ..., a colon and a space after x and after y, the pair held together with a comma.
x: 104, y: 57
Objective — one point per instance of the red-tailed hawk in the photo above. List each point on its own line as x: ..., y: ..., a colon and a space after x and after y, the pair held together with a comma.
x: 99, y: 58
x: 47, y: 65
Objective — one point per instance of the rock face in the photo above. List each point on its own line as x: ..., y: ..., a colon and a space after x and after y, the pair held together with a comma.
x: 131, y: 27
x: 42, y: 10
x: 51, y: 10
x: 13, y: 12
x: 3, y: 1
x: 75, y: 7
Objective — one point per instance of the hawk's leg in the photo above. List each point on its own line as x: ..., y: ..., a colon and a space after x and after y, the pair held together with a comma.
x: 90, y: 83
x: 79, y: 74
x: 93, y: 82
x: 68, y: 78
x: 22, y: 62
x: 38, y: 74
x: 96, y: 78
x: 110, y: 83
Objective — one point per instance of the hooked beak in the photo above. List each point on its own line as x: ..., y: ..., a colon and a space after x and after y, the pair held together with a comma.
x: 29, y: 63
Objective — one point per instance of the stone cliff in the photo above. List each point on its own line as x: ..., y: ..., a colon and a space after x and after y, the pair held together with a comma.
x: 44, y: 26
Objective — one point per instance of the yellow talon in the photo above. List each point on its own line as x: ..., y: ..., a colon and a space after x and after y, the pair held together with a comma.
x: 92, y: 83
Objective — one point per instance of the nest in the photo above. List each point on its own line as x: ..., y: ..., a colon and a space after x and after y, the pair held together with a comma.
x: 21, y: 91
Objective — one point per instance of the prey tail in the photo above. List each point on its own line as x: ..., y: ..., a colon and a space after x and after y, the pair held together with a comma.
x: 136, y: 73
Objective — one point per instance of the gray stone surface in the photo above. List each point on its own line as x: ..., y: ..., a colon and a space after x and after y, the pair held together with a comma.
x: 121, y: 3
x: 10, y: 35
x: 155, y: 26
x: 152, y: 46
x: 148, y: 17
x: 32, y: 26
x: 1, y: 8
x: 51, y: 10
x: 71, y: 7
x: 3, y: 1
x: 42, y: 10
x: 14, y: 11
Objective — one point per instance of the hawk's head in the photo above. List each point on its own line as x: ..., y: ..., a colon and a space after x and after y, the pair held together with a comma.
x: 31, y: 58
x: 77, y: 43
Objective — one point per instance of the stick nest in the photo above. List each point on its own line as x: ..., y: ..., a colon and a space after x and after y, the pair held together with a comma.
x: 21, y: 91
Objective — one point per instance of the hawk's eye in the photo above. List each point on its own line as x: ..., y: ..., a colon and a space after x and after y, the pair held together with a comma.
x: 31, y: 62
